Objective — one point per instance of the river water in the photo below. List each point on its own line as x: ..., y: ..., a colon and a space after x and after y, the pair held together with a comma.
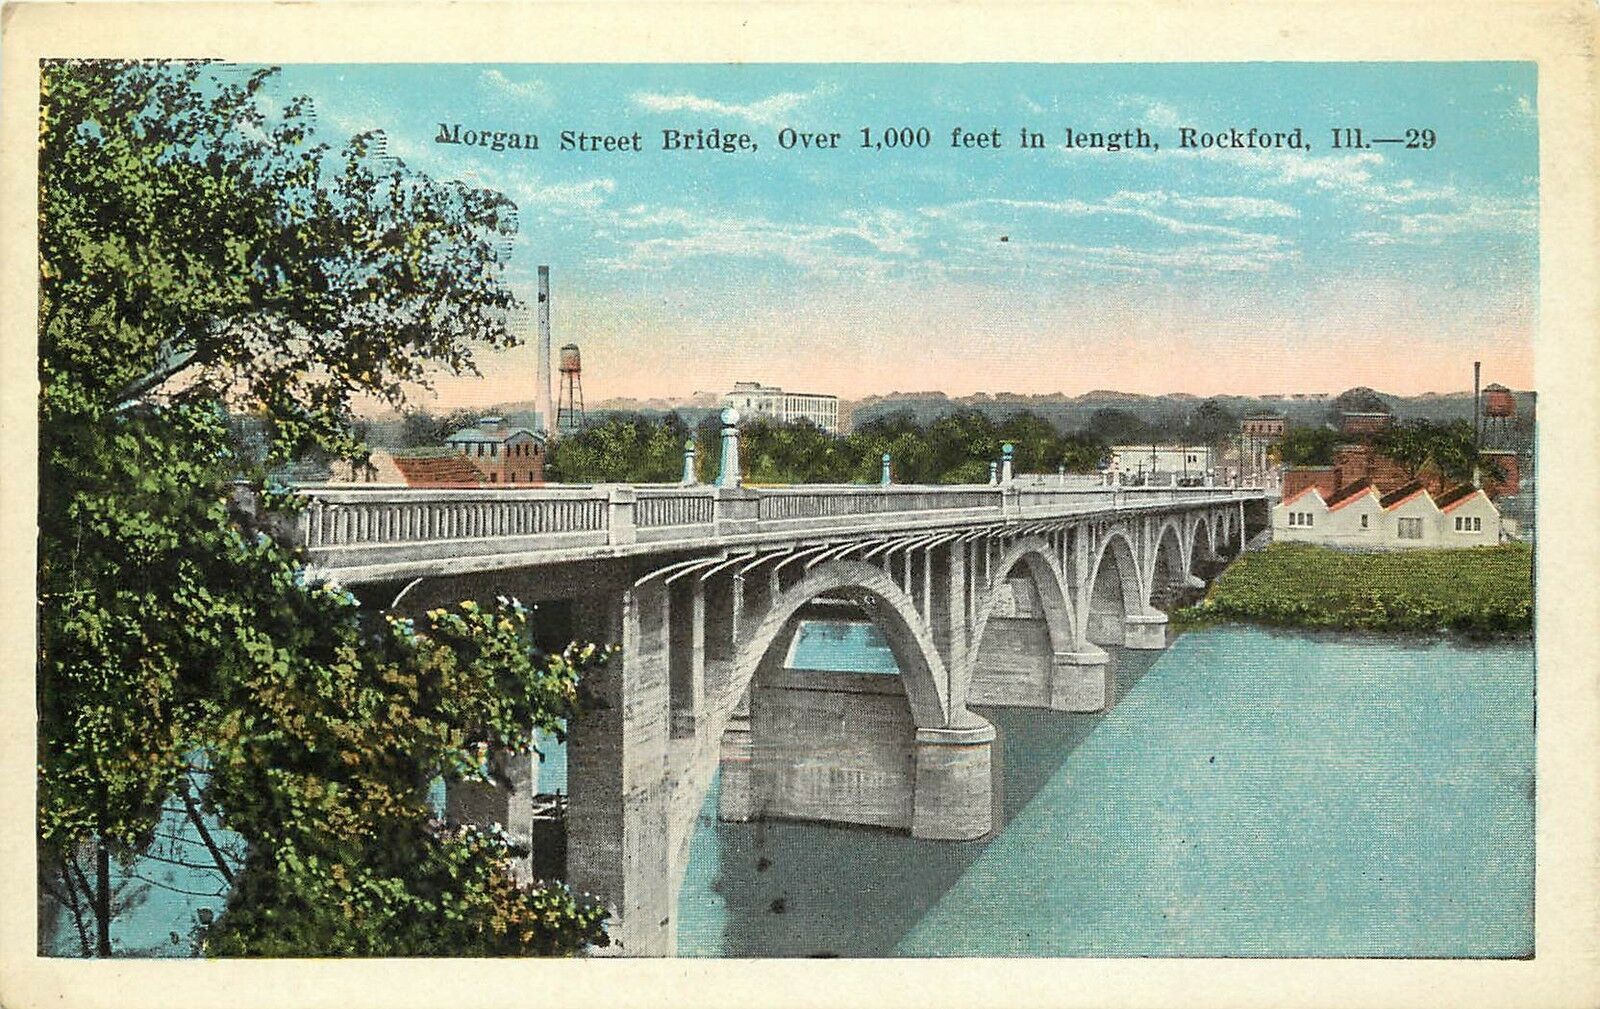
x: 1252, y: 793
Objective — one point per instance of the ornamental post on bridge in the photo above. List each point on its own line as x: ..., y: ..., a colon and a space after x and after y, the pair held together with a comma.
x: 883, y: 476
x: 728, y: 471
x: 1005, y: 462
x: 994, y: 474
x: 690, y: 478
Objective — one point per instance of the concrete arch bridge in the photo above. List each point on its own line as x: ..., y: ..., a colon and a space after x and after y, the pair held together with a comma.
x: 990, y: 595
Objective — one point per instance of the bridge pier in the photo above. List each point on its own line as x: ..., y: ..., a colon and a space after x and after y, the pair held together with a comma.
x: 738, y: 800
x: 505, y: 799
x: 1145, y: 631
x: 618, y: 826
x: 1082, y: 681
x: 954, y: 793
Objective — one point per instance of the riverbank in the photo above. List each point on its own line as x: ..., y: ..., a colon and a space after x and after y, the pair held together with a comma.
x: 1482, y: 593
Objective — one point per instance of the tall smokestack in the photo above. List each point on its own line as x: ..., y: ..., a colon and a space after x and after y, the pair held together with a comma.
x: 1477, y: 413
x: 547, y: 413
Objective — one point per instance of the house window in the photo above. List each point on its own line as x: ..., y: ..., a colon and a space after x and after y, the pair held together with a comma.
x: 1363, y: 521
x: 511, y: 478
x: 1310, y: 519
x: 1294, y: 518
x: 1409, y: 529
x: 494, y: 450
x: 494, y: 478
x: 1477, y: 524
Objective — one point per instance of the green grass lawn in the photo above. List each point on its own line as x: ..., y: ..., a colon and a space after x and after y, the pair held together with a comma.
x: 1481, y: 592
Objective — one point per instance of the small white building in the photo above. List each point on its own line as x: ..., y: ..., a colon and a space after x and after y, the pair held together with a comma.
x: 1357, y: 517
x: 1471, y: 519
x: 752, y: 399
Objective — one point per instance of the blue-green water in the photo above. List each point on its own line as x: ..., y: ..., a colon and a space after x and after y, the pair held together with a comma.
x: 1252, y: 793
x: 842, y: 646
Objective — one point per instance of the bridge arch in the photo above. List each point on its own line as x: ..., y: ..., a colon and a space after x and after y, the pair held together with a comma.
x: 926, y: 680
x: 1114, y: 589
x: 920, y: 762
x: 1168, y: 568
x: 1202, y: 545
x: 1044, y: 571
x: 1023, y: 629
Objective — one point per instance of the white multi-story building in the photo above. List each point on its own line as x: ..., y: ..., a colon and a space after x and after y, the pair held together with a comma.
x: 752, y: 399
x: 1161, y: 462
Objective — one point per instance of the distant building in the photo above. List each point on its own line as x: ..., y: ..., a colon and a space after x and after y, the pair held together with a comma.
x: 1364, y: 423
x: 502, y: 454
x: 752, y: 399
x: 1357, y: 516
x: 422, y: 467
x: 1509, y: 480
x: 1161, y: 462
x: 1258, y: 433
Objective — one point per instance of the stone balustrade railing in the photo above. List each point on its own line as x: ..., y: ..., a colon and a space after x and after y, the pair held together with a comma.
x: 372, y: 530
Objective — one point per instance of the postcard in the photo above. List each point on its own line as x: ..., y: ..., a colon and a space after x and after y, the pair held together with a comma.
x: 641, y: 504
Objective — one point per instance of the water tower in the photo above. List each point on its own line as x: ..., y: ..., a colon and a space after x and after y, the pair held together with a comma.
x: 569, y: 412
x: 1499, y: 413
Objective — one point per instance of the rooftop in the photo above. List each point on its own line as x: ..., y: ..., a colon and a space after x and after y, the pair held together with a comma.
x: 437, y: 471
x: 1400, y: 495
x: 1456, y: 495
x: 1349, y: 492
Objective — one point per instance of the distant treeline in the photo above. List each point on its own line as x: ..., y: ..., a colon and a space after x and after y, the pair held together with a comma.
x: 954, y: 448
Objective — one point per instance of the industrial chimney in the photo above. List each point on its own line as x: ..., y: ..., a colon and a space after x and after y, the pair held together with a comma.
x: 546, y: 408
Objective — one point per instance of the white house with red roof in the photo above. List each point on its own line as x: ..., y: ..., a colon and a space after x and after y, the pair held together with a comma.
x: 1471, y: 519
x: 1411, y: 517
x: 1302, y: 517
x: 1358, y: 517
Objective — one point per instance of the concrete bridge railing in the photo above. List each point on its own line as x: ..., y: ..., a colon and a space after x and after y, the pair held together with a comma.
x: 374, y: 532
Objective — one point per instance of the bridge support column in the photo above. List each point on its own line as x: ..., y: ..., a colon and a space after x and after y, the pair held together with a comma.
x: 954, y: 793
x: 1106, y: 627
x: 506, y: 800
x: 737, y: 800
x: 1082, y: 681
x: 618, y: 829
x: 1145, y: 631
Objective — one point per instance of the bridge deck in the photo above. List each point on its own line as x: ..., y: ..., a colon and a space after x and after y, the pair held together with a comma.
x: 379, y: 533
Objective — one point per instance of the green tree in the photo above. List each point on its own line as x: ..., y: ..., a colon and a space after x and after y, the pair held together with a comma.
x: 622, y: 448
x: 201, y: 258
x: 1116, y: 426
x: 421, y: 429
x: 1451, y: 446
x: 1307, y: 446
x: 1211, y: 424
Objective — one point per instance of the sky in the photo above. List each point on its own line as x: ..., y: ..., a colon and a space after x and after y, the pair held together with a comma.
x: 862, y: 271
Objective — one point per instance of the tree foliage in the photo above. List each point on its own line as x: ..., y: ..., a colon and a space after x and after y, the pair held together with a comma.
x: 1308, y: 446
x: 954, y: 448
x: 202, y: 259
x: 1451, y: 446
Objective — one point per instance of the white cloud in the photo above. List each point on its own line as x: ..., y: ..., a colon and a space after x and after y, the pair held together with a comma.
x: 586, y: 195
x: 859, y: 242
x: 767, y: 111
x: 532, y: 91
x: 1227, y: 207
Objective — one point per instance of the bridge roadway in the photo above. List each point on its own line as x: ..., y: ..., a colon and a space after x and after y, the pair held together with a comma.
x: 987, y: 595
